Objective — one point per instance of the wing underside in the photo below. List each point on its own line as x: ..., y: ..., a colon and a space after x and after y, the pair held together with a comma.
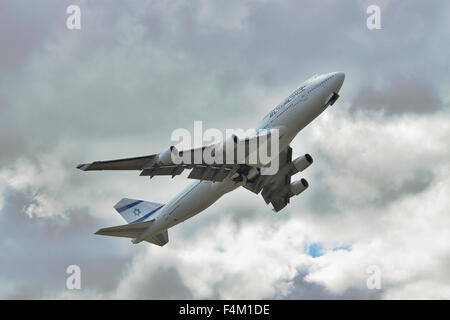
x: 273, y: 188
x: 121, y: 164
x: 192, y: 160
x: 149, y: 166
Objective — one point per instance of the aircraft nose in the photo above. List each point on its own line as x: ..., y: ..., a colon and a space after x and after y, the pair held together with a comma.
x: 338, y: 80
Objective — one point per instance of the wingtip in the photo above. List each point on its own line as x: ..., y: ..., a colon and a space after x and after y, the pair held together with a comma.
x: 83, y: 167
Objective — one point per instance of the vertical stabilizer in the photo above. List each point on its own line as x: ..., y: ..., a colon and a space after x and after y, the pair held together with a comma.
x: 134, y: 211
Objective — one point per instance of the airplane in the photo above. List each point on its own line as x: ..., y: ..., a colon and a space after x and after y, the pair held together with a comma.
x: 150, y: 221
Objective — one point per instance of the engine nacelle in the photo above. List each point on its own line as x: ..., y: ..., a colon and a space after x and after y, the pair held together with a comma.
x: 165, y: 157
x: 298, y: 186
x: 253, y: 173
x: 301, y: 163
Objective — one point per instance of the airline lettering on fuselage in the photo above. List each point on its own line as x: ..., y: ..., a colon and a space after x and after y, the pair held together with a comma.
x: 288, y: 100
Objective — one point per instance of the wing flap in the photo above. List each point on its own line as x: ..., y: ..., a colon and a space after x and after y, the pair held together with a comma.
x: 279, y: 203
x: 163, y: 171
x: 209, y: 173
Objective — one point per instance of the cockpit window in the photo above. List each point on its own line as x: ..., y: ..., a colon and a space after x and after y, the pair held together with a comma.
x: 312, y: 78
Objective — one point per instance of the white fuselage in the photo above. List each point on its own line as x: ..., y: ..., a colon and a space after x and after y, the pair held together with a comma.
x: 293, y: 114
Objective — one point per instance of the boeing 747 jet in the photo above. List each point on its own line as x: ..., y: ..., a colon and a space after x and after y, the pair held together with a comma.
x: 149, y: 221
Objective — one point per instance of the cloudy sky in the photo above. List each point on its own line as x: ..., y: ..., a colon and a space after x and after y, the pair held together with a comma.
x: 137, y: 70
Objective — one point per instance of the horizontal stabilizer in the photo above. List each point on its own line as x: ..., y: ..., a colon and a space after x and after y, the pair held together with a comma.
x: 126, y: 230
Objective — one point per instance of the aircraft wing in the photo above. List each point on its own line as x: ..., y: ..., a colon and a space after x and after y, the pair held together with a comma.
x: 149, y: 166
x: 137, y: 163
x: 162, y: 165
x: 272, y: 186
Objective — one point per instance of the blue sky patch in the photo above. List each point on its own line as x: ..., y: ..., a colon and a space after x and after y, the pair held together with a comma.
x: 315, y: 250
x: 346, y: 248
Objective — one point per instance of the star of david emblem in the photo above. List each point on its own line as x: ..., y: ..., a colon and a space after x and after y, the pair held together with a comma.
x: 137, y: 212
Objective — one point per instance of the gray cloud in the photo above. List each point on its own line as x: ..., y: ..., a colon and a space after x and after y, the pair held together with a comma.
x: 302, y: 289
x: 35, y: 252
x: 405, y: 95
x: 410, y: 186
x: 165, y: 283
x: 25, y: 26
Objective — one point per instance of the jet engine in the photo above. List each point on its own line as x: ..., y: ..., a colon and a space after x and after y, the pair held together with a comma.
x: 298, y: 187
x: 165, y: 157
x: 253, y: 173
x: 301, y: 163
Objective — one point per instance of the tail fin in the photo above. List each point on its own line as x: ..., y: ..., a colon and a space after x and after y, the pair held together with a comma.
x: 134, y: 211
